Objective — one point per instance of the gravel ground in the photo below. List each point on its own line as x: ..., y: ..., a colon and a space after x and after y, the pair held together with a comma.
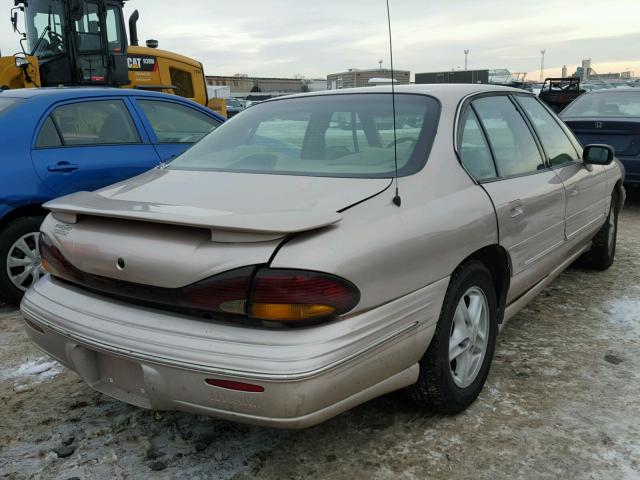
x: 561, y: 402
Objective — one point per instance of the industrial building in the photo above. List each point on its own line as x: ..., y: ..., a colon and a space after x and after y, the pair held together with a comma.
x: 243, y: 86
x: 354, y: 77
x: 454, y: 76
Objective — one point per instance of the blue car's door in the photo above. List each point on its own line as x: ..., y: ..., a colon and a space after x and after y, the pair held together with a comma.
x: 174, y: 125
x: 90, y: 143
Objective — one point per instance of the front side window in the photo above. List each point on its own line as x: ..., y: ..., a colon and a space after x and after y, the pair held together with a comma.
x: 46, y: 29
x: 555, y: 142
x: 606, y: 104
x: 103, y: 122
x: 473, y: 148
x: 326, y: 135
x: 513, y: 146
x: 173, y: 123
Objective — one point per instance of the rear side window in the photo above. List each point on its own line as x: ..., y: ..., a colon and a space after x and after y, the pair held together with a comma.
x: 174, y: 123
x: 555, y: 142
x: 48, y: 136
x: 474, y: 150
x: 104, y: 122
x: 513, y: 145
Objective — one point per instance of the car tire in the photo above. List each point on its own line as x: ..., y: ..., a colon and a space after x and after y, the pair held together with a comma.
x: 603, y: 249
x: 440, y: 387
x: 12, y: 233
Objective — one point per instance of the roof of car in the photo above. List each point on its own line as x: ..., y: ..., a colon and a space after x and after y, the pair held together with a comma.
x: 61, y: 93
x: 613, y: 90
x: 449, y: 91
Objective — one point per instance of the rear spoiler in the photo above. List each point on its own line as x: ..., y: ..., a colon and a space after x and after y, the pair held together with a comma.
x: 225, y: 226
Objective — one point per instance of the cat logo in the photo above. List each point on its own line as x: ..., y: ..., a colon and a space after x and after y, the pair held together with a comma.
x: 143, y: 63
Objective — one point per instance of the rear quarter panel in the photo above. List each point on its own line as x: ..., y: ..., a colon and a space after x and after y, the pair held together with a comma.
x: 389, y: 251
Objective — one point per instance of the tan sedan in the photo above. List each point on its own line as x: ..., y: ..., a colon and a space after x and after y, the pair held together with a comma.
x: 316, y: 252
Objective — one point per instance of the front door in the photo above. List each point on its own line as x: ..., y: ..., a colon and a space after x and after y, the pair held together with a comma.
x: 585, y: 185
x: 87, y: 145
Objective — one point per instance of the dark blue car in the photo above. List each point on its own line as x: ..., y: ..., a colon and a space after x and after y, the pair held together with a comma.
x: 56, y: 141
x: 610, y: 117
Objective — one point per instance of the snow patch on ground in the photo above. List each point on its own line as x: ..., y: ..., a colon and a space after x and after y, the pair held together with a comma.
x: 39, y: 370
x: 625, y: 312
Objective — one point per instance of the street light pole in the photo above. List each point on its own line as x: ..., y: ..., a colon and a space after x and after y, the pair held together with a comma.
x: 466, y: 59
x: 542, y: 66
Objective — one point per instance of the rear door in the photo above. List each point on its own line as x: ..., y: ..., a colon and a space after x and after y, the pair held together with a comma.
x: 528, y: 197
x: 585, y: 186
x: 174, y: 126
x: 90, y: 143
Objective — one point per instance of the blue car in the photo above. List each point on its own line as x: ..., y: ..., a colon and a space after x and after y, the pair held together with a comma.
x: 610, y: 117
x: 57, y: 141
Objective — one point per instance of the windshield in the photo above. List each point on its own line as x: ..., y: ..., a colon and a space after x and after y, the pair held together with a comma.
x: 607, y: 104
x: 348, y: 135
x: 45, y: 22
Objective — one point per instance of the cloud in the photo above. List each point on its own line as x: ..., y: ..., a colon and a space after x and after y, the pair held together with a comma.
x: 285, y: 37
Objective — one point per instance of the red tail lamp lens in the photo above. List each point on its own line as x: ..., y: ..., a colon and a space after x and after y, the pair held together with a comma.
x: 226, y: 292
x: 296, y: 295
x: 232, y: 385
x: 54, y: 262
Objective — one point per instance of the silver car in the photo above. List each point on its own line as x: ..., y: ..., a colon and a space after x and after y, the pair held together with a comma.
x: 313, y: 253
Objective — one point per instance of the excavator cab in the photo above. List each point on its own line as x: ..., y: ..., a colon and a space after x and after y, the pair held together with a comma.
x: 76, y: 42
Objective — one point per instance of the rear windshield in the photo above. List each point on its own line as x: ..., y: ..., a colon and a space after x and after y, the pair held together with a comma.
x: 609, y: 104
x: 346, y: 135
x: 6, y: 103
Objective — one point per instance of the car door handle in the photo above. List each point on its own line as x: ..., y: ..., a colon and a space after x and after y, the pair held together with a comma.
x: 516, y: 209
x: 573, y: 192
x: 63, y: 167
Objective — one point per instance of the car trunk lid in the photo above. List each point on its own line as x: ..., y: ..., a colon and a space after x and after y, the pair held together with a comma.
x: 622, y: 135
x: 174, y: 228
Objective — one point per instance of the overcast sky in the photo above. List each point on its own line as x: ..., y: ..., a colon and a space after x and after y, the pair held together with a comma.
x: 314, y: 38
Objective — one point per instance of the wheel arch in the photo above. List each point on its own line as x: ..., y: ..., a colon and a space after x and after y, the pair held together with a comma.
x: 33, y: 209
x: 496, y: 259
x: 618, y: 189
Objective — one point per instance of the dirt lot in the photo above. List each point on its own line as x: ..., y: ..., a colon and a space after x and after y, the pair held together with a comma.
x: 561, y: 402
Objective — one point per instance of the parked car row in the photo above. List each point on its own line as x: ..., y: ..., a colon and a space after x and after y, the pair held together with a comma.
x: 57, y: 141
x: 312, y: 253
x: 611, y: 117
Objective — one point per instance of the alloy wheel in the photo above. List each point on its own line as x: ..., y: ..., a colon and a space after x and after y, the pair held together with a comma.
x: 469, y: 337
x: 24, y: 265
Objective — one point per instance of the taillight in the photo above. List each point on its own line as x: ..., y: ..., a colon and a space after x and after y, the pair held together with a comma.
x: 299, y: 295
x: 54, y: 262
x: 261, y: 293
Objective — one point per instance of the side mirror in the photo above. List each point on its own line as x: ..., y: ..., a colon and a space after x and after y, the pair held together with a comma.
x: 22, y: 62
x: 598, y: 155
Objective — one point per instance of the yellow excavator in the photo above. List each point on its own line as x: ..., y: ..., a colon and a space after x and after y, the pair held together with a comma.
x: 84, y: 43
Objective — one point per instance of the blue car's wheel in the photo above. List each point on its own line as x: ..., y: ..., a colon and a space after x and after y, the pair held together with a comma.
x: 20, y: 265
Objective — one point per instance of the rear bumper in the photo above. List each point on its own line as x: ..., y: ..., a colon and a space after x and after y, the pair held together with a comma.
x: 158, y: 360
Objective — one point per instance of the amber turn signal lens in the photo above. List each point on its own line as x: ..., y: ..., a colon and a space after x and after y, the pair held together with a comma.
x: 289, y: 312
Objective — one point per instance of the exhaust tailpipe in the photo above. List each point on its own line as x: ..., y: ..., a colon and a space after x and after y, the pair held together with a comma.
x: 133, y: 28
